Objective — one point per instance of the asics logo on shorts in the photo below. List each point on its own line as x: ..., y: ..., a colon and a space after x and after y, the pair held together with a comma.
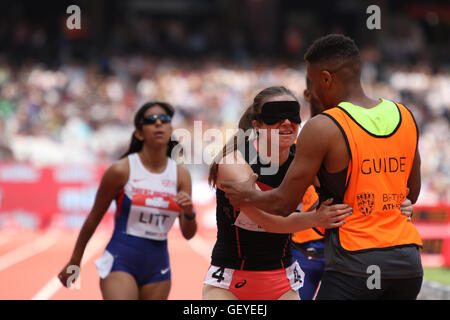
x: 240, y: 284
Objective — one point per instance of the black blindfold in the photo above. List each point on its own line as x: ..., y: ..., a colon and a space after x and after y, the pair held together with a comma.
x: 275, y: 111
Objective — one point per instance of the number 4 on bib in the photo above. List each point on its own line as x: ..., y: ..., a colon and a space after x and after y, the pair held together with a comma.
x: 297, y: 276
x: 218, y: 274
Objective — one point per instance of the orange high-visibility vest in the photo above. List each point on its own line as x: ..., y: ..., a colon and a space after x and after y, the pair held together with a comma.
x: 380, y: 168
x: 309, y: 198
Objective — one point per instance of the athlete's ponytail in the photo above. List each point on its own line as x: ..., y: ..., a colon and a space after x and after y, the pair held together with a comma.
x: 136, y: 144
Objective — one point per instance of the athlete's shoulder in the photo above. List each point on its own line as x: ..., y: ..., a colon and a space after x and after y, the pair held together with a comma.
x: 321, y: 125
x: 400, y: 105
x: 233, y: 167
x: 119, y: 171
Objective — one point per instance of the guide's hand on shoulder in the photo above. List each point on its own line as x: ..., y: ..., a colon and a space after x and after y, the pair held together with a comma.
x: 332, y: 216
x: 236, y: 192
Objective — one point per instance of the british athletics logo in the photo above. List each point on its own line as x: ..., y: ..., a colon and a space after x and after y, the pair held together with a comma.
x: 366, y: 202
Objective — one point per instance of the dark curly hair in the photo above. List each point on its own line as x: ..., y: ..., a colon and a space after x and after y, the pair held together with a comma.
x: 333, y: 49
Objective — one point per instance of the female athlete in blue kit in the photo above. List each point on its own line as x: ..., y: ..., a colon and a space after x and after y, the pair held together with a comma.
x: 151, y: 191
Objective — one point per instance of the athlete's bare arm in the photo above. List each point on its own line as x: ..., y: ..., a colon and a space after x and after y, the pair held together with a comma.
x: 112, y: 183
x: 188, y: 227
x: 320, y: 142
x: 233, y: 168
x: 327, y: 216
x: 414, y: 181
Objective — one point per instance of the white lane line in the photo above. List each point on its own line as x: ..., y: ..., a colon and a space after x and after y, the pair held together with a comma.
x: 28, y: 250
x: 97, y: 243
x: 201, y: 246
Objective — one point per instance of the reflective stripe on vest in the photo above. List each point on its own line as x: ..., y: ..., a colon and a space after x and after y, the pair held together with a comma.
x: 380, y: 168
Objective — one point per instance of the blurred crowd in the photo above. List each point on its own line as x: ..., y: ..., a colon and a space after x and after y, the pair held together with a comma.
x: 80, y: 113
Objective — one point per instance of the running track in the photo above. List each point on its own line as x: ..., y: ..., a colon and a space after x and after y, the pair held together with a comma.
x: 30, y: 261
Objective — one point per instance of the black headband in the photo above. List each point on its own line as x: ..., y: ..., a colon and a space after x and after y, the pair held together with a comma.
x: 275, y: 111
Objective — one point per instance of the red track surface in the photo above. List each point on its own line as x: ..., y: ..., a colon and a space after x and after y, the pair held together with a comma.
x: 29, y: 261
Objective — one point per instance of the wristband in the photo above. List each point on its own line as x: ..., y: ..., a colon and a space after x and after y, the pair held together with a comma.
x: 190, y: 217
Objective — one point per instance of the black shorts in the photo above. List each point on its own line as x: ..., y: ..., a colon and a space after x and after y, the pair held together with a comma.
x: 340, y: 286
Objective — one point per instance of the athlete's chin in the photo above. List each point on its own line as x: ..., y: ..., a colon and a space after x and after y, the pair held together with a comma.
x: 286, y: 142
x: 159, y: 142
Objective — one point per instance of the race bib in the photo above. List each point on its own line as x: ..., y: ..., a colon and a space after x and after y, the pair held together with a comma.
x: 296, y: 276
x: 219, y: 277
x: 244, y: 222
x: 152, y: 216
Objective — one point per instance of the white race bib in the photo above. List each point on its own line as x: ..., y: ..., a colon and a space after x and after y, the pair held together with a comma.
x: 246, y: 223
x: 151, y: 217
